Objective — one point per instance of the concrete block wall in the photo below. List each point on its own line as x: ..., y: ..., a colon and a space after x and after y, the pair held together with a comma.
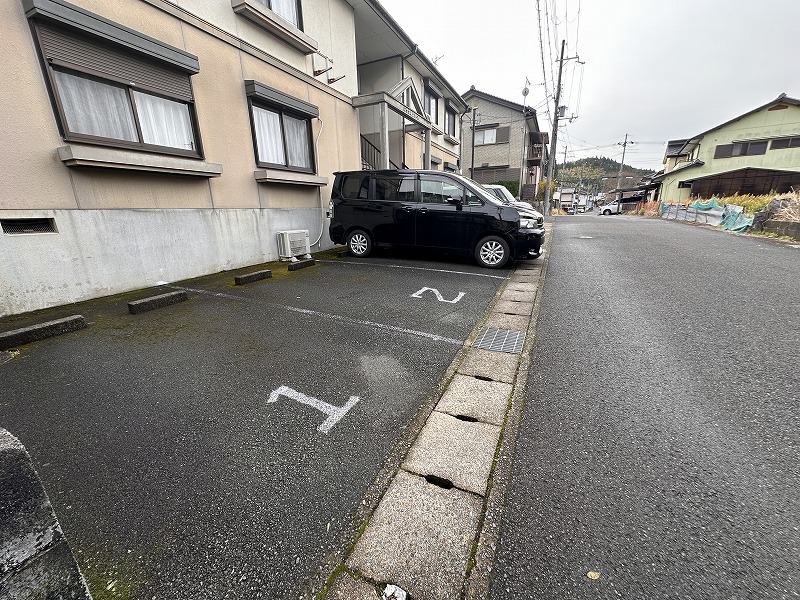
x: 35, y: 559
x: 785, y: 228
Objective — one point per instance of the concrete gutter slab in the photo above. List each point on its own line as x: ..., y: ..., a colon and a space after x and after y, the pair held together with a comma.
x: 504, y: 321
x: 522, y: 287
x: 516, y: 296
x: 419, y: 538
x: 347, y: 588
x: 495, y: 366
x: 485, y: 401
x: 514, y: 308
x: 523, y: 278
x: 459, y: 451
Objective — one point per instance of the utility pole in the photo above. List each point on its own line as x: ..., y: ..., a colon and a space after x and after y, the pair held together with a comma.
x: 551, y: 159
x: 622, y: 164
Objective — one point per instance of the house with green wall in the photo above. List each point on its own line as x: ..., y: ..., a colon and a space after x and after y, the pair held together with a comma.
x: 755, y: 153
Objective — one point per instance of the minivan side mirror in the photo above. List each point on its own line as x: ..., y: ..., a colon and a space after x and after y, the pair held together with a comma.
x: 454, y: 201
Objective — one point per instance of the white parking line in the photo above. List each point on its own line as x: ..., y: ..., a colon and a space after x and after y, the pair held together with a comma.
x: 373, y: 264
x: 329, y: 316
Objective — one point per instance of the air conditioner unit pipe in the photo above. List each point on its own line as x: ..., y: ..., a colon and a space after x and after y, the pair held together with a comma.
x: 319, y: 190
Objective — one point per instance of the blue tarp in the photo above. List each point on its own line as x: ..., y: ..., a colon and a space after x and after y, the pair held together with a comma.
x: 733, y: 219
x: 712, y: 205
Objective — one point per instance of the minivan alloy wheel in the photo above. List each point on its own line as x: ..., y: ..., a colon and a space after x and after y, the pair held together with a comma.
x: 359, y: 243
x: 492, y: 252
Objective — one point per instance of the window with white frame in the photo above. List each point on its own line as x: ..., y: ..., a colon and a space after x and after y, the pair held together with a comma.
x: 492, y: 135
x: 485, y: 136
x: 95, y: 102
x: 282, y: 130
x: 286, y: 9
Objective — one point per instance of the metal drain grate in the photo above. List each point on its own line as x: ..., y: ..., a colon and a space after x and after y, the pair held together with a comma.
x: 500, y: 340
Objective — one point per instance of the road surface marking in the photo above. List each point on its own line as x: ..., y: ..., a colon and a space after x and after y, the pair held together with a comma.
x: 438, y: 295
x: 335, y: 413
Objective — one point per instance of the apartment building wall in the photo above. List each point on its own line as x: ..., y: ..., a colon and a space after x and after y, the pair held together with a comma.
x: 129, y: 218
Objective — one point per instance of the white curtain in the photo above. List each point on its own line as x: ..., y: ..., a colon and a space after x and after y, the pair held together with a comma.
x: 268, y: 136
x: 164, y: 122
x: 286, y: 9
x: 95, y: 108
x: 297, y: 146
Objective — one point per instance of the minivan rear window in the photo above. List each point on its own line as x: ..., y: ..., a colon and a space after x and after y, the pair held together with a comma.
x: 355, y: 186
x: 394, y: 188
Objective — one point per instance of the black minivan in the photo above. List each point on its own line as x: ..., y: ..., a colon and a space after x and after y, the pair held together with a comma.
x: 431, y: 209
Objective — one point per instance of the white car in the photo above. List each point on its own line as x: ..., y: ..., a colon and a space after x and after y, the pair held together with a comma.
x: 524, y: 208
x: 610, y: 209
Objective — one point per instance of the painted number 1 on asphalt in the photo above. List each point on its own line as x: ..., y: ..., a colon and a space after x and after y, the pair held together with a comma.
x: 335, y: 413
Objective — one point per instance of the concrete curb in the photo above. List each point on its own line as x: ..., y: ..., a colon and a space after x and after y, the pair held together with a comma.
x: 251, y: 277
x: 25, y: 335
x: 35, y: 559
x: 417, y: 534
x: 136, y: 307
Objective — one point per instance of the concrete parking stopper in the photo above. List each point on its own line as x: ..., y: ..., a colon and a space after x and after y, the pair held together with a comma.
x: 40, y: 331
x: 35, y: 559
x: 153, y: 302
x: 419, y: 538
x: 251, y: 277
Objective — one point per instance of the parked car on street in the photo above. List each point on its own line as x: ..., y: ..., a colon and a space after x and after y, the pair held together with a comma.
x: 429, y: 209
x: 508, y: 199
x: 610, y: 209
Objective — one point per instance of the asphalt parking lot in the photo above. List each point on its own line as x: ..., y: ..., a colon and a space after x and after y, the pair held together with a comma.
x: 219, y: 448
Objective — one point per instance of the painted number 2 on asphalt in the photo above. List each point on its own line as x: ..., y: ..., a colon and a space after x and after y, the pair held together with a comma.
x: 438, y: 295
x: 335, y: 413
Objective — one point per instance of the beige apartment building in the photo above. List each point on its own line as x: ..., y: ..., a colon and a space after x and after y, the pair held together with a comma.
x: 149, y: 141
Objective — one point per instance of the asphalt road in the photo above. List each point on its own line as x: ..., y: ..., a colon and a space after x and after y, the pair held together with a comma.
x: 172, y: 473
x: 659, y: 451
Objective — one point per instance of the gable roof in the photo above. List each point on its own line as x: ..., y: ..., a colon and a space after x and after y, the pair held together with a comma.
x: 782, y: 99
x: 530, y: 113
x: 379, y: 36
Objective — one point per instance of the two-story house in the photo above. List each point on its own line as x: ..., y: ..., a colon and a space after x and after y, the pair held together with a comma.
x: 755, y: 153
x: 507, y: 144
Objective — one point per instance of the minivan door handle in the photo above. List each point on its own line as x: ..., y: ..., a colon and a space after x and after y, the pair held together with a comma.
x: 407, y: 207
x: 424, y: 209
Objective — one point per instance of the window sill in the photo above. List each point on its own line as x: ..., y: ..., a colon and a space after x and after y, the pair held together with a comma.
x: 109, y: 158
x: 269, y: 20
x: 289, y: 178
x: 451, y: 139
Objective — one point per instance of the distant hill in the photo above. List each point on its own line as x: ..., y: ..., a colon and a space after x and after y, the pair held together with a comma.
x: 588, y: 173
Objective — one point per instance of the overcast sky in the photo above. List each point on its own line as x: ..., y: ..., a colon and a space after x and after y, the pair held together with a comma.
x: 654, y: 69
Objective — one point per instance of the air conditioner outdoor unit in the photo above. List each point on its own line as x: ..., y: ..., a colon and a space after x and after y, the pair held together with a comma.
x: 292, y: 244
